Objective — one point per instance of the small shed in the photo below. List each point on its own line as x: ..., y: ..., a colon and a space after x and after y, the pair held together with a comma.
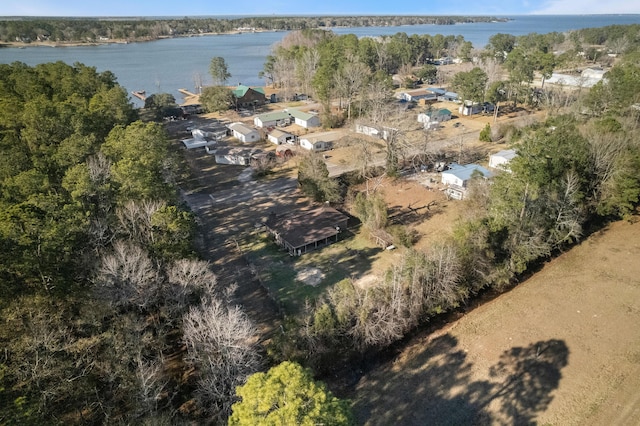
x: 501, y: 159
x: 304, y: 119
x: 434, y: 116
x: 280, y: 137
x: 244, y: 133
x: 300, y: 232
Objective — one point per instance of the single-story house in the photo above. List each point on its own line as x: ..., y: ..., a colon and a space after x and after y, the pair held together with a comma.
x: 192, y: 109
x: 204, y: 138
x: 304, y: 119
x: 449, y: 97
x: 279, y: 137
x: 301, y: 232
x: 363, y: 129
x: 193, y: 143
x: 245, y: 96
x: 233, y: 155
x: 438, y: 91
x: 381, y: 132
x: 572, y: 80
x: 501, y: 160
x: 418, y: 94
x: 320, y: 141
x: 273, y: 119
x: 244, y: 133
x: 470, y: 108
x: 434, y: 116
x: 457, y: 177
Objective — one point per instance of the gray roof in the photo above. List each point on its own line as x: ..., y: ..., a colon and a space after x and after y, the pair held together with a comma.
x: 276, y: 133
x: 508, y: 154
x: 241, y: 128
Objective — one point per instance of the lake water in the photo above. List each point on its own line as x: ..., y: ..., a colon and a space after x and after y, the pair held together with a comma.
x: 170, y: 64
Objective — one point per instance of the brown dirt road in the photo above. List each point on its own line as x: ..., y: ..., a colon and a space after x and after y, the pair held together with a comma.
x: 562, y: 348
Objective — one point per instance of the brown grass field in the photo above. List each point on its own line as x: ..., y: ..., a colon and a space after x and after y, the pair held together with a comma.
x: 562, y: 348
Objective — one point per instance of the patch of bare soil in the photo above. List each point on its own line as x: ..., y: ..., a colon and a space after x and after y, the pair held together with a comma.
x: 310, y: 276
x: 561, y: 348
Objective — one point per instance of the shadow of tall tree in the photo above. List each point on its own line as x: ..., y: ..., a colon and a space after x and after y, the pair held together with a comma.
x: 436, y: 387
x: 526, y: 377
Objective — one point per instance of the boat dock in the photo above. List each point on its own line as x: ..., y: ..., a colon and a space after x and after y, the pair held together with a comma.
x: 140, y: 94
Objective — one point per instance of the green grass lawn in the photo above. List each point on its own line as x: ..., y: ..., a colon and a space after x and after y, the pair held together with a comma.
x: 350, y: 257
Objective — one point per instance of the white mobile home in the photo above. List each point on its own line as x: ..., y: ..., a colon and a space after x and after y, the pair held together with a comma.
x: 244, y: 133
x: 320, y: 141
x: 273, y: 119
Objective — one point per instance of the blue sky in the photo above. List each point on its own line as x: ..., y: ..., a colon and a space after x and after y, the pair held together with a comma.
x: 313, y: 7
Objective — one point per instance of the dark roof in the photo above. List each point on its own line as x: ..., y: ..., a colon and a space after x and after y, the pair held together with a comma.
x: 301, y: 228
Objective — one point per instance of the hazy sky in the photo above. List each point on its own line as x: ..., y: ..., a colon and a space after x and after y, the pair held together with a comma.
x: 313, y: 7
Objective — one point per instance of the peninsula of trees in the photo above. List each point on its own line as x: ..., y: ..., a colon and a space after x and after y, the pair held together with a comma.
x: 94, y: 30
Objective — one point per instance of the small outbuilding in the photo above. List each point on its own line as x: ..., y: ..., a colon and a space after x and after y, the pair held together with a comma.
x: 300, y: 232
x: 244, y: 133
x: 280, y: 137
x: 501, y: 160
x: 433, y: 117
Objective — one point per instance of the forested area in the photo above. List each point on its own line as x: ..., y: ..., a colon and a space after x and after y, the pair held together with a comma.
x: 107, y: 314
x: 90, y: 30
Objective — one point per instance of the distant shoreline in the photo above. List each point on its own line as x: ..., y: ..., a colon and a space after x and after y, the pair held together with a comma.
x: 21, y: 44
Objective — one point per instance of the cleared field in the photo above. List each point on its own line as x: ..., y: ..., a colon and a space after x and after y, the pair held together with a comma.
x: 562, y: 348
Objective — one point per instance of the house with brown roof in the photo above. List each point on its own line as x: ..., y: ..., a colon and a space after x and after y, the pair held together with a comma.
x: 301, y: 232
x: 245, y: 97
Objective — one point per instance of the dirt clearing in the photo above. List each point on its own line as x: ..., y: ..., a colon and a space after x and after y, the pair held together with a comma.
x: 562, y: 348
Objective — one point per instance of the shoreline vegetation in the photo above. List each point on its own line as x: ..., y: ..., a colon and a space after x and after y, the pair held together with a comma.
x: 68, y: 32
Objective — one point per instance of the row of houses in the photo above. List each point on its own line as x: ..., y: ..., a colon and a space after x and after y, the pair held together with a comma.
x: 286, y: 117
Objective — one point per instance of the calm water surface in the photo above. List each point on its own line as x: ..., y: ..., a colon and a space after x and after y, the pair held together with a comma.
x: 167, y: 65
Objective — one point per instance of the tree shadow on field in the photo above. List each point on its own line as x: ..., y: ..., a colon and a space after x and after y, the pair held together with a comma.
x: 436, y: 387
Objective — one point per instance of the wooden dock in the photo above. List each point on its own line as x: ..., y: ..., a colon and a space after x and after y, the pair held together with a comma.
x: 140, y: 94
x: 186, y: 92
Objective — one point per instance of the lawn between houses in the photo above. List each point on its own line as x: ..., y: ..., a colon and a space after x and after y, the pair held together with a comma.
x: 294, y: 281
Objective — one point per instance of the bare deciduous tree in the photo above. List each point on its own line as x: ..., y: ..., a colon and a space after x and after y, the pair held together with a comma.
x: 135, y: 219
x: 128, y: 277
x: 220, y: 344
